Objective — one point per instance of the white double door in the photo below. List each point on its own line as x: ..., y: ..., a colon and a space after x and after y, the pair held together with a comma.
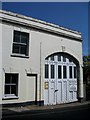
x: 62, y: 83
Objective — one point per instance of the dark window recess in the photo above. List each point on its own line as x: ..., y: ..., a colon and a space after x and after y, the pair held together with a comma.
x: 13, y: 89
x: 59, y: 72
x: 16, y: 48
x: 52, y: 71
x: 52, y: 57
x: 70, y: 60
x: 21, y: 43
x: 11, y: 84
x: 64, y: 59
x: 47, y: 58
x: 75, y: 72
x: 7, y: 89
x: 64, y: 72
x: 59, y: 57
x: 46, y: 71
x: 70, y: 71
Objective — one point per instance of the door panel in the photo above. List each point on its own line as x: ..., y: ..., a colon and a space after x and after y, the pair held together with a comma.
x: 30, y: 91
x: 52, y: 93
x: 70, y: 96
x: 59, y: 92
x: 59, y: 84
x: 64, y: 91
x: 74, y: 96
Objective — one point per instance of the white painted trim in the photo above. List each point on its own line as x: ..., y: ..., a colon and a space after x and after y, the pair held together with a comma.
x: 31, y: 22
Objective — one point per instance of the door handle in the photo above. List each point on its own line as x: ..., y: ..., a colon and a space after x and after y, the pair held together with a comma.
x: 55, y: 90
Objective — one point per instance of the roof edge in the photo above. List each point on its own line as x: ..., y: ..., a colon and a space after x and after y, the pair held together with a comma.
x: 39, y: 21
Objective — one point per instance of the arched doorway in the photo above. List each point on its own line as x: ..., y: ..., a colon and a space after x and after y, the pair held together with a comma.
x: 60, y: 79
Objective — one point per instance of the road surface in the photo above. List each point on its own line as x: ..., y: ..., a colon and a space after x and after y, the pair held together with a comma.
x: 70, y: 113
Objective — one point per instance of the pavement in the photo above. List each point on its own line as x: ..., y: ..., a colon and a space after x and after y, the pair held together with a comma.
x: 7, y: 111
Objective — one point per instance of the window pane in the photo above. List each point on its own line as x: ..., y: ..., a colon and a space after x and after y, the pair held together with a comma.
x: 13, y: 89
x: 70, y: 60
x: 23, y: 49
x: 64, y: 72
x: 7, y: 78
x: 14, y: 78
x: 52, y: 58
x: 23, y: 39
x: 59, y: 57
x: 46, y: 71
x: 16, y: 48
x: 52, y: 71
x: 17, y: 38
x: 70, y: 71
x: 59, y: 72
x: 64, y: 59
x: 7, y: 89
x: 75, y: 72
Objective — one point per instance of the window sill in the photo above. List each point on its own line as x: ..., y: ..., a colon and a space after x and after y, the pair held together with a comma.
x: 10, y: 97
x: 18, y: 55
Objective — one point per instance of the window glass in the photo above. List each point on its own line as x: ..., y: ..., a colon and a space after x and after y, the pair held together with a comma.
x: 13, y: 89
x: 8, y: 79
x: 64, y: 72
x: 52, y: 71
x: 59, y: 57
x: 64, y: 59
x: 59, y: 72
x: 16, y: 36
x: 16, y: 48
x: 70, y: 71
x: 46, y: 71
x: 23, y: 49
x: 70, y: 60
x: 14, y: 78
x: 7, y: 89
x: 52, y: 57
x: 75, y: 72
x: 24, y: 38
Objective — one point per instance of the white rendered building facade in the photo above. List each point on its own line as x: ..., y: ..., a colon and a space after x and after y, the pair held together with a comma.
x: 41, y: 62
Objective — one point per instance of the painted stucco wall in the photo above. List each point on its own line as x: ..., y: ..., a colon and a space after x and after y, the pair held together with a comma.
x: 49, y: 44
x: 39, y: 42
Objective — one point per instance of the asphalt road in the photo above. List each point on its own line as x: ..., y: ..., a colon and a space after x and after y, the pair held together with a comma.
x: 71, y: 113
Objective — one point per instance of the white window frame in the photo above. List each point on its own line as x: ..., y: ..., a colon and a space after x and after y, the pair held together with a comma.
x: 24, y: 44
x: 11, y: 96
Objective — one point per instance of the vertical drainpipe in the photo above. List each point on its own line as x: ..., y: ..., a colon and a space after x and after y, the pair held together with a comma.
x: 1, y: 85
x: 81, y: 85
x: 40, y: 76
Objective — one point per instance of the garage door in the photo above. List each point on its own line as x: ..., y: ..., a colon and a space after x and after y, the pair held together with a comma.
x: 60, y: 84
